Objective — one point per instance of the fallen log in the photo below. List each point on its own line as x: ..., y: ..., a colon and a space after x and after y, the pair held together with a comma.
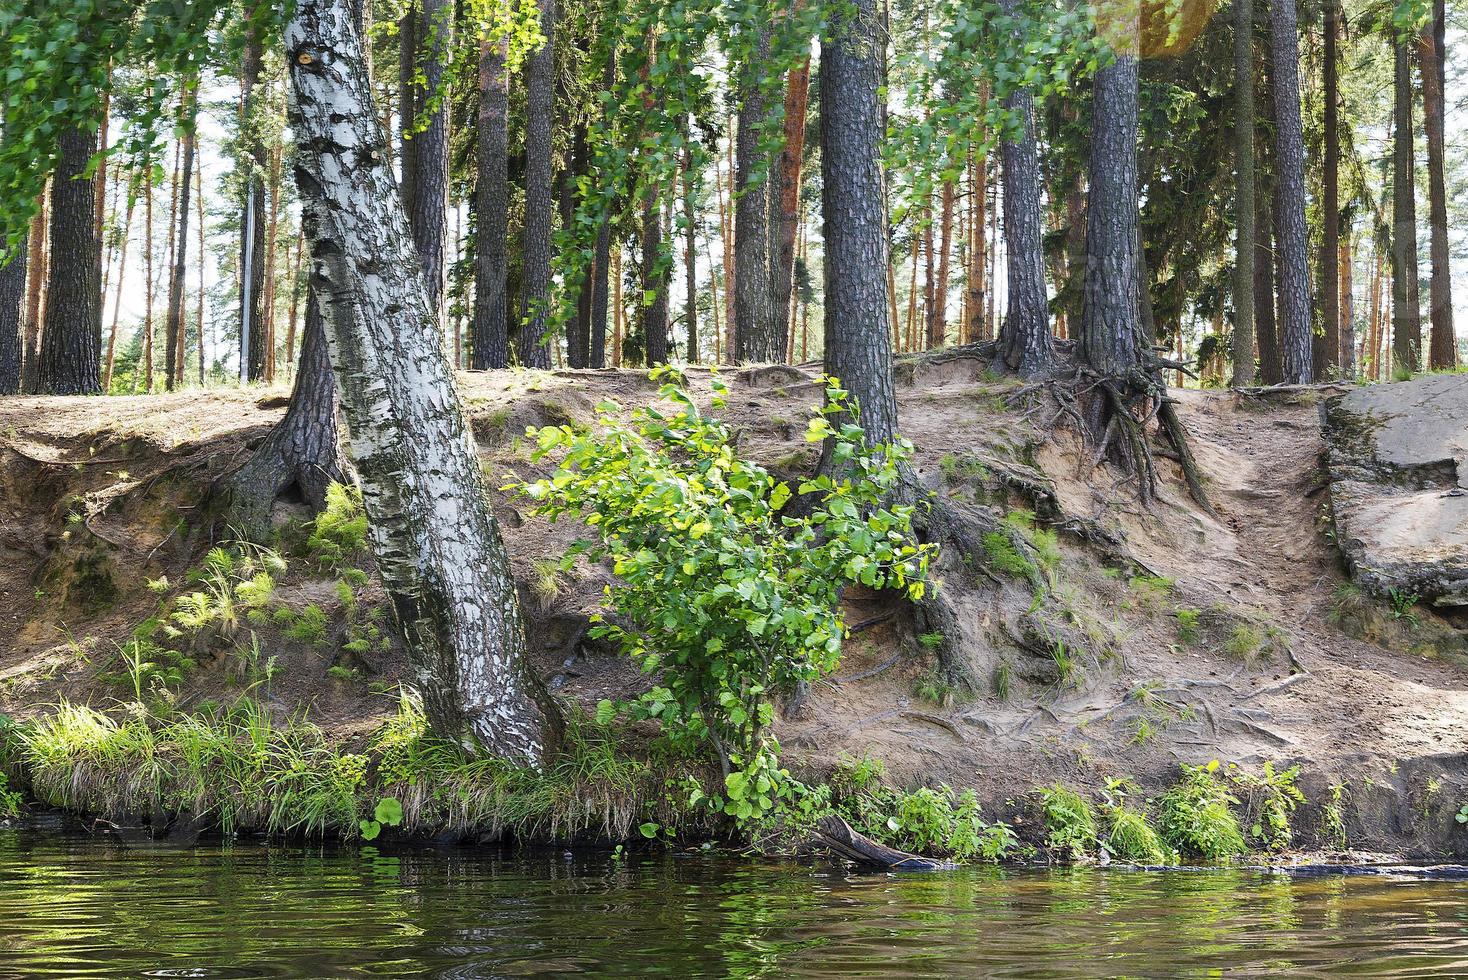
x: 858, y: 848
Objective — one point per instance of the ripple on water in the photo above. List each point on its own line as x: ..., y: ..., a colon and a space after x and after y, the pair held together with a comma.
x: 78, y: 907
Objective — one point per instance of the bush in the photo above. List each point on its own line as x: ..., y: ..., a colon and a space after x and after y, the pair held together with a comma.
x: 1195, y: 815
x: 1070, y: 826
x: 728, y: 595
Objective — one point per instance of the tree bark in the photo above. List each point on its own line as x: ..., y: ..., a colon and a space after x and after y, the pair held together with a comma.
x: 858, y: 338
x: 489, y: 343
x: 175, y: 348
x: 948, y: 197
x: 655, y: 281
x: 1111, y: 340
x: 69, y: 358
x: 578, y: 328
x: 540, y: 92
x: 436, y: 541
x: 1295, y: 330
x: 301, y: 456
x: 1025, y: 335
x: 252, y: 220
x: 1442, y: 344
x: 12, y: 320
x: 1327, y: 352
x: 1406, y: 303
x: 1244, y: 210
x: 428, y: 210
x: 755, y: 328
x: 690, y: 258
x: 38, y: 262
x: 792, y: 153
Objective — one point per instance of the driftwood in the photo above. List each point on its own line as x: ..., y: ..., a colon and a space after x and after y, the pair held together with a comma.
x: 845, y: 842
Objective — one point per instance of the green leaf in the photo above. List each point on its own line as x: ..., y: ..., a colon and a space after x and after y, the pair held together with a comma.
x: 389, y: 811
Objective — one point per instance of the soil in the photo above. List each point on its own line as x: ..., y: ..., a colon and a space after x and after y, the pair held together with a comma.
x: 1282, y: 662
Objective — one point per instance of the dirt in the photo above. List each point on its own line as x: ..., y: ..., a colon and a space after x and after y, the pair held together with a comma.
x: 98, y: 496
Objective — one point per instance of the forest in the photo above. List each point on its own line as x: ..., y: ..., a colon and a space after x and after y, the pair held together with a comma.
x: 902, y: 435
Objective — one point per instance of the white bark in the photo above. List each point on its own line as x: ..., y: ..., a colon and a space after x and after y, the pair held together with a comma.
x: 435, y: 539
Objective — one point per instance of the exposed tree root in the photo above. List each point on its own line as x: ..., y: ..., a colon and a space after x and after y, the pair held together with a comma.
x: 1113, y: 415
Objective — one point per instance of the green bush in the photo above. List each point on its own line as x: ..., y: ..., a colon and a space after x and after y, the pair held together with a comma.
x: 1195, y: 815
x: 1070, y: 826
x: 730, y: 595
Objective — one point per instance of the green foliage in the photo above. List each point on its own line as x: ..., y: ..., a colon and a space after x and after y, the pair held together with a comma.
x: 308, y: 626
x: 1195, y: 815
x: 926, y: 820
x: 249, y: 772
x: 339, y: 533
x: 732, y: 597
x: 387, y: 813
x: 1403, y: 603
x: 1130, y: 836
x: 233, y: 582
x: 1007, y: 559
x: 1333, y: 818
x: 1272, y: 797
x: 1188, y: 622
x: 1070, y: 825
x: 10, y: 800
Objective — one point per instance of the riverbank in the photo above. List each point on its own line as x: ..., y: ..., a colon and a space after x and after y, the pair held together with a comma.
x: 1096, y: 645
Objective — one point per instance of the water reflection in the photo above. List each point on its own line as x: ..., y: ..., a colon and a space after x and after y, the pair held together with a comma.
x: 76, y: 907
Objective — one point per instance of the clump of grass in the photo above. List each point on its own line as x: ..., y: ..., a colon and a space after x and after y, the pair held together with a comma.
x: 1195, y: 815
x: 1004, y: 557
x: 248, y: 772
x: 546, y: 584
x: 1188, y: 625
x: 1003, y: 680
x: 1249, y: 642
x: 339, y: 533
x: 1070, y: 824
x: 1129, y: 834
x: 1333, y: 818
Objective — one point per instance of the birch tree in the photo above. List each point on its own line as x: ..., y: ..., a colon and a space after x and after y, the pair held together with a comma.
x: 436, y: 541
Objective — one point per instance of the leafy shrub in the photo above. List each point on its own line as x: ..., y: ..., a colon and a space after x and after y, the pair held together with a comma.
x: 1070, y: 826
x: 1194, y: 815
x: 926, y: 820
x: 731, y: 596
x: 1272, y: 799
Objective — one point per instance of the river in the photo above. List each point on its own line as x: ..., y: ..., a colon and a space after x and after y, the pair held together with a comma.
x: 76, y: 906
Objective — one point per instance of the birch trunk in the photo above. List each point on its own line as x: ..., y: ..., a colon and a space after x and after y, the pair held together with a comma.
x: 436, y: 541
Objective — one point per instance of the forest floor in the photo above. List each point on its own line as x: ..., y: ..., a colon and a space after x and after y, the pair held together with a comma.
x: 1161, y: 635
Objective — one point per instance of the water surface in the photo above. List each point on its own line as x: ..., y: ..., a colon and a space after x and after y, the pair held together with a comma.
x: 81, y: 907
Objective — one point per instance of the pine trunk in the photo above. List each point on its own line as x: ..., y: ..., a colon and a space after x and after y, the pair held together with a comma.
x: 787, y: 196
x: 175, y: 341
x: 690, y: 259
x: 1025, y: 336
x: 755, y: 328
x: 1328, y: 348
x: 540, y: 93
x: 489, y: 341
x: 428, y: 212
x: 1406, y: 304
x: 12, y: 320
x: 436, y: 541
x: 1292, y: 236
x: 1442, y: 344
x: 1111, y: 334
x: 252, y: 220
x: 1244, y: 212
x: 69, y: 357
x: 858, y: 340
